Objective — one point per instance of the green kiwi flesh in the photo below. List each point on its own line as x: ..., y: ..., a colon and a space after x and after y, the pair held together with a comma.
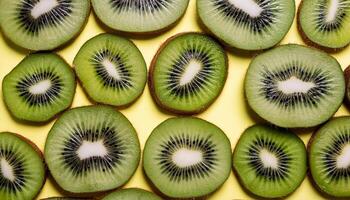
x: 44, y: 24
x: 139, y: 16
x: 131, y: 193
x: 294, y: 86
x: 188, y: 73
x: 270, y: 162
x: 22, y: 170
x: 39, y: 87
x: 325, y: 23
x: 329, y: 157
x: 187, y: 157
x: 111, y: 69
x: 92, y: 149
x: 247, y: 24
x: 66, y: 198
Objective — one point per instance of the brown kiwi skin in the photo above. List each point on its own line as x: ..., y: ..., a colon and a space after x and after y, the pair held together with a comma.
x: 29, y: 122
x: 151, y: 82
x: 309, y: 42
x: 37, y: 150
x: 347, y: 91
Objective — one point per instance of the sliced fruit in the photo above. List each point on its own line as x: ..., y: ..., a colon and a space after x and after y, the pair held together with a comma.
x: 131, y: 193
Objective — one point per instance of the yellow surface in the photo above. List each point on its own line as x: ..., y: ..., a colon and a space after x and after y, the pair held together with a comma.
x: 230, y: 112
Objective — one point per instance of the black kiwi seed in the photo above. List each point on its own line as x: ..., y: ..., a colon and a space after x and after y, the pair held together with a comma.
x: 140, y: 5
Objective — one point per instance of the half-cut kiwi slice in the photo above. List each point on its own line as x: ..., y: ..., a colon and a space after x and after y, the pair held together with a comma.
x: 42, y: 24
x: 188, y: 73
x: 329, y: 157
x: 111, y: 69
x: 92, y: 149
x: 187, y: 157
x: 39, y: 87
x: 139, y: 16
x: 132, y: 194
x: 295, y: 86
x: 270, y: 162
x: 22, y: 170
x: 247, y: 24
x: 325, y: 23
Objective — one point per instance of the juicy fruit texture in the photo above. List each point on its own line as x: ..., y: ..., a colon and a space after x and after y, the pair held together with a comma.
x: 92, y: 149
x: 111, y: 69
x: 42, y: 24
x: 270, y: 162
x: 65, y: 198
x: 139, y: 15
x: 187, y: 157
x: 295, y: 86
x: 22, y: 171
x: 188, y: 73
x: 247, y: 24
x: 326, y: 23
x: 132, y: 193
x: 329, y: 157
x: 39, y: 87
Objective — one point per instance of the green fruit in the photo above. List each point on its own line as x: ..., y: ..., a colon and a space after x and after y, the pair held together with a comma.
x: 92, y: 149
x: 132, y: 193
x: 111, y: 69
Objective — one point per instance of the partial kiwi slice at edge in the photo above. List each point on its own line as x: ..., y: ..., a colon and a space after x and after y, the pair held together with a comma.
x: 270, y: 162
x: 132, y: 193
x: 39, y: 87
x: 188, y: 73
x: 92, y: 149
x: 22, y: 169
x: 329, y: 157
x: 187, y: 157
x: 111, y: 69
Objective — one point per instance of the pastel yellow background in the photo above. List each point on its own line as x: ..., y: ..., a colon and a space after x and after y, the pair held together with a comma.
x: 230, y: 112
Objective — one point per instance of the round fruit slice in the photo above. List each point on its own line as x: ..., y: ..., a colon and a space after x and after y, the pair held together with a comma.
x: 295, y: 86
x: 139, y: 16
x: 111, y: 69
x: 92, y: 149
x: 132, y: 193
x: 270, y: 162
x: 188, y: 73
x: 42, y: 24
x: 187, y: 157
x: 325, y: 23
x: 329, y: 157
x: 39, y: 87
x: 247, y: 24
x: 22, y: 171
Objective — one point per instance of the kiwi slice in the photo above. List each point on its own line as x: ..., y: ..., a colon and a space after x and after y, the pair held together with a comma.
x: 92, y: 149
x: 22, y: 170
x: 187, y: 157
x: 247, y: 24
x: 329, y: 157
x: 325, y: 23
x: 270, y: 162
x: 139, y: 16
x: 294, y: 86
x: 132, y: 193
x: 39, y: 87
x: 66, y: 198
x: 188, y: 73
x: 111, y: 69
x: 42, y: 24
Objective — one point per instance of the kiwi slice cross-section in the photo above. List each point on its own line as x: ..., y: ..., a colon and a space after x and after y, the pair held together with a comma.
x: 92, y: 149
x: 329, y: 157
x: 42, y: 24
x: 188, y: 73
x: 111, y: 69
x: 139, y: 16
x: 39, y: 87
x: 67, y: 198
x: 325, y: 23
x: 247, y: 24
x: 294, y: 86
x: 132, y: 193
x: 270, y: 162
x: 22, y: 170
x: 187, y: 157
